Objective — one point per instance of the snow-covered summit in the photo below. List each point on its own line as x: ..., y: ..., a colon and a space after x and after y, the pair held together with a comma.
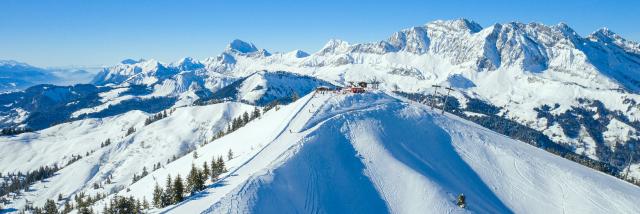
x: 455, y: 25
x: 133, y: 72
x: 188, y: 64
x: 609, y: 37
x: 334, y: 46
x: 298, y: 54
x: 131, y: 61
x: 241, y: 47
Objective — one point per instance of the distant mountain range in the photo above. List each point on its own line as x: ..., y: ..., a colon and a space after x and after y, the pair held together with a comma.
x: 534, y: 74
x: 544, y: 85
x: 15, y: 76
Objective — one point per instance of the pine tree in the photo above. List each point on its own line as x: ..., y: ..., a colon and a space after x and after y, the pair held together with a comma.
x: 121, y: 204
x: 255, y: 114
x: 230, y: 154
x: 133, y: 206
x: 195, y: 154
x: 217, y: 168
x: 221, y: 167
x: 178, y: 189
x: 135, y: 179
x: 245, y: 118
x: 191, y: 179
x: 85, y: 210
x: 235, y: 124
x: 214, y: 170
x: 205, y: 170
x: 145, y: 203
x: 50, y: 207
x: 202, y: 179
x: 167, y: 196
x: 220, y: 134
x: 130, y: 131
x: 138, y: 205
x: 67, y: 207
x: 195, y: 181
x: 157, y: 196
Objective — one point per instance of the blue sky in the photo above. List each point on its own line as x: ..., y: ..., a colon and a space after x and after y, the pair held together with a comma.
x: 81, y: 32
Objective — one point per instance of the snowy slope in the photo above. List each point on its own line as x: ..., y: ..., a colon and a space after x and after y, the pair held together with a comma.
x: 401, y: 156
x: 517, y: 67
x: 581, y: 92
x: 184, y: 129
x: 264, y: 87
x: 42, y: 106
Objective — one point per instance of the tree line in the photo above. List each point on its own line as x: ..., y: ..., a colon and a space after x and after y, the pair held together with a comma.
x: 242, y: 120
x: 105, y: 143
x: 158, y: 116
x: 175, y: 189
x: 14, y: 183
x: 81, y: 202
x: 14, y: 130
x: 125, y: 205
x: 239, y: 122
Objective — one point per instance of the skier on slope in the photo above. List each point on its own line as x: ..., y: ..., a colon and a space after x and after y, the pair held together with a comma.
x: 461, y: 200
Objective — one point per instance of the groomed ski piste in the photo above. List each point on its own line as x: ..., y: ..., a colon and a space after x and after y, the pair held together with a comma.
x: 378, y: 153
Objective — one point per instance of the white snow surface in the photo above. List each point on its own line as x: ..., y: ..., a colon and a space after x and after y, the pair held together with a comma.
x: 515, y: 66
x: 403, y: 157
x: 376, y: 153
x: 185, y: 128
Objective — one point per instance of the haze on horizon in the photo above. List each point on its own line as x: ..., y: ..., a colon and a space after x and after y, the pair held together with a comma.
x: 74, y: 32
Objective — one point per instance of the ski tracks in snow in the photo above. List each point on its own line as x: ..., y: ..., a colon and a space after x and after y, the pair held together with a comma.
x: 282, y: 147
x: 240, y: 178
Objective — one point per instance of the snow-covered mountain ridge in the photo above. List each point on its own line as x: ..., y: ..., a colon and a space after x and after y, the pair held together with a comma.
x: 309, y: 156
x: 403, y: 157
x: 517, y: 67
x: 16, y: 76
x: 548, y: 82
